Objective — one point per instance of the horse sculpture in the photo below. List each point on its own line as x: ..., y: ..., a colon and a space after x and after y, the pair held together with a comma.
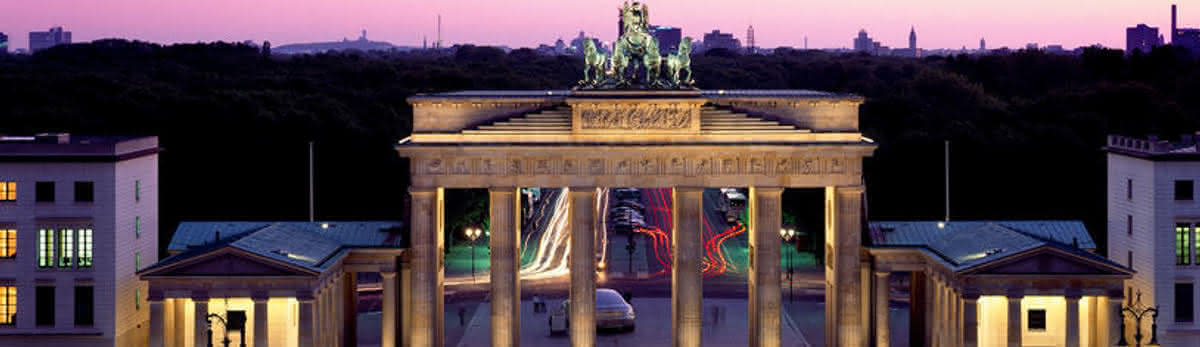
x: 593, y: 71
x: 680, y: 62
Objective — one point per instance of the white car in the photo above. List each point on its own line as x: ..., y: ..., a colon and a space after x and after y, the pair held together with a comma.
x: 612, y: 312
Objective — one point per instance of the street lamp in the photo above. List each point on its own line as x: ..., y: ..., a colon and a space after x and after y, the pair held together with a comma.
x: 472, y: 235
x: 788, y: 234
x: 1137, y: 311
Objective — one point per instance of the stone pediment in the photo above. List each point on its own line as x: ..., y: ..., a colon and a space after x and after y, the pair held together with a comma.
x: 228, y: 263
x: 1049, y: 261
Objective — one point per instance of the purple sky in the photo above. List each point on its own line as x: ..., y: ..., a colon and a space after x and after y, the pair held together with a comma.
x: 827, y: 23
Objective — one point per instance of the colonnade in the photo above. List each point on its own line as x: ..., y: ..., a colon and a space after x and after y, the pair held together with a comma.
x: 686, y: 283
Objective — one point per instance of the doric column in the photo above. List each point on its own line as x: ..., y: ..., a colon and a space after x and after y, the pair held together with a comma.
x: 970, y: 320
x: 387, y: 326
x: 1014, y: 319
x: 1072, y: 320
x: 180, y: 323
x: 426, y: 233
x: 917, y: 316
x: 883, y: 329
x: 843, y: 237
x: 686, y: 281
x: 201, y: 327
x: 339, y: 298
x: 350, y: 309
x: 582, y: 266
x: 306, y: 326
x: 319, y: 317
x: 940, y: 337
x: 954, y: 327
x: 262, y: 332
x: 1115, y: 316
x: 158, y: 333
x: 506, y: 288
x: 404, y: 283
x: 765, y: 223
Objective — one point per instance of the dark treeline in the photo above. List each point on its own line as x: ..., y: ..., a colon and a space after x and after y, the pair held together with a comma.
x: 1026, y: 127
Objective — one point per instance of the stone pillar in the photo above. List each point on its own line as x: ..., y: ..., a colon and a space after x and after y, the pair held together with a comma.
x: 262, y: 315
x: 306, y: 326
x: 883, y: 329
x: 1015, y: 330
x: 505, y: 226
x: 936, y: 311
x: 917, y: 314
x: 350, y: 309
x: 158, y: 333
x: 339, y: 298
x: 404, y: 280
x: 843, y: 237
x: 319, y: 318
x: 180, y: 337
x: 970, y: 320
x: 1115, y: 316
x: 686, y: 280
x: 582, y: 266
x: 955, y: 327
x: 765, y: 223
x: 387, y: 328
x: 426, y: 233
x: 201, y: 329
x: 1072, y: 320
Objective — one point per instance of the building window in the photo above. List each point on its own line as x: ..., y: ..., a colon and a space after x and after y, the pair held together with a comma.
x: 85, y: 191
x: 8, y: 243
x: 1183, y: 246
x: 137, y: 227
x: 8, y: 305
x: 44, y: 316
x: 1184, y: 300
x: 44, y: 191
x: 66, y: 247
x: 137, y: 190
x: 137, y: 299
x: 1129, y: 261
x: 137, y: 261
x: 1037, y: 320
x: 8, y: 191
x: 1129, y: 189
x: 45, y: 248
x: 85, y: 248
x: 1129, y: 225
x: 84, y: 303
x: 1184, y: 190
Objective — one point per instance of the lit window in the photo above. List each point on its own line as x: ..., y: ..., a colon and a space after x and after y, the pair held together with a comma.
x: 1183, y: 249
x: 8, y: 243
x: 137, y: 227
x: 45, y: 248
x: 1037, y: 320
x: 8, y: 305
x: 137, y: 261
x: 66, y: 247
x: 8, y: 191
x: 85, y: 248
x: 137, y: 190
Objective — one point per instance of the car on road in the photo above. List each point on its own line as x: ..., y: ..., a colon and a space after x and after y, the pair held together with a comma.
x: 612, y: 312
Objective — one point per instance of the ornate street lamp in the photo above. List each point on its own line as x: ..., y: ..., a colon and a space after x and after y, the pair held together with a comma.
x: 1137, y: 311
x: 472, y: 235
x: 788, y: 235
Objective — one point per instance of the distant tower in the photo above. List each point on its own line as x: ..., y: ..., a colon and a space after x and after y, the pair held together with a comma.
x: 424, y: 42
x: 912, y: 39
x: 438, y: 44
x: 1174, y: 26
x: 982, y: 44
x: 806, y: 42
x: 364, y: 35
x: 750, y: 44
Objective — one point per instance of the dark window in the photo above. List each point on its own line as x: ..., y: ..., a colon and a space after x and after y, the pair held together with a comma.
x: 1129, y: 262
x: 1184, y: 300
x: 1037, y: 320
x: 1129, y: 189
x: 45, y: 306
x: 84, y: 302
x: 1184, y: 190
x: 85, y: 191
x: 44, y: 191
x: 1129, y: 224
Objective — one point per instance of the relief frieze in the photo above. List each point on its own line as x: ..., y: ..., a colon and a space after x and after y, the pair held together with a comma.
x: 636, y: 118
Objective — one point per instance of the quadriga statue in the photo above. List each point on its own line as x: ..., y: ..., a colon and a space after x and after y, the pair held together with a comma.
x: 636, y: 61
x: 680, y: 62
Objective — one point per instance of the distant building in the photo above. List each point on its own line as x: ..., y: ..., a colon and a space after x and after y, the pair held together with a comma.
x: 1188, y: 38
x: 79, y: 218
x: 1152, y: 227
x: 1141, y: 38
x: 982, y: 44
x: 3, y: 43
x: 39, y: 40
x: 668, y: 38
x: 864, y: 43
x: 751, y: 45
x: 577, y: 44
x: 912, y: 51
x: 717, y: 39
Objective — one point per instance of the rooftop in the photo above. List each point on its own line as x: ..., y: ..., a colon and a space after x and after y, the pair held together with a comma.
x: 964, y: 245
x: 63, y: 146
x: 311, y: 245
x: 564, y: 93
x: 1155, y: 148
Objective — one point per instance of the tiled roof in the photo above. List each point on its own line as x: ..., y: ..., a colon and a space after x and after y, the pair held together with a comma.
x: 350, y: 234
x: 967, y: 244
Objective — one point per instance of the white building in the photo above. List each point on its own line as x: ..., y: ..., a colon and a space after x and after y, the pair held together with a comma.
x: 1153, y: 226
x: 78, y: 217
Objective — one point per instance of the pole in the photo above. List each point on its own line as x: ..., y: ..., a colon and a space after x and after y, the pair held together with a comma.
x: 947, y: 159
x: 472, y: 261
x: 791, y: 283
x: 310, y: 181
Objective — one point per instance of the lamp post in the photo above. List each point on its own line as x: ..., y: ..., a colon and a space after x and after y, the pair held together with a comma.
x: 472, y: 235
x: 788, y: 234
x: 1137, y: 311
x: 630, y: 247
x: 209, y: 319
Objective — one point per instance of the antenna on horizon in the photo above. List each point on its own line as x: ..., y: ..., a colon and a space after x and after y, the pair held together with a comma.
x: 438, y: 44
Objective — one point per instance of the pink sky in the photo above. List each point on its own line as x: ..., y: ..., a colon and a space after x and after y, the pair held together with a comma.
x: 827, y: 23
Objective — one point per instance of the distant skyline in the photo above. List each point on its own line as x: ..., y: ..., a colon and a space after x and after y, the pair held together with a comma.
x: 826, y: 23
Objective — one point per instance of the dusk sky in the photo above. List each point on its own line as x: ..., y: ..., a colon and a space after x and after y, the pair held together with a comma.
x: 827, y: 23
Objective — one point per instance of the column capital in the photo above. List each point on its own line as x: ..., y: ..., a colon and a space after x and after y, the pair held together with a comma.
x: 154, y: 295
x: 422, y: 190
x: 200, y: 296
x: 387, y: 274
x: 305, y: 297
x: 510, y: 190
x: 1015, y: 294
x: 260, y: 297
x: 883, y: 274
x: 855, y: 189
x: 581, y: 188
x: 768, y: 190
x: 688, y: 189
